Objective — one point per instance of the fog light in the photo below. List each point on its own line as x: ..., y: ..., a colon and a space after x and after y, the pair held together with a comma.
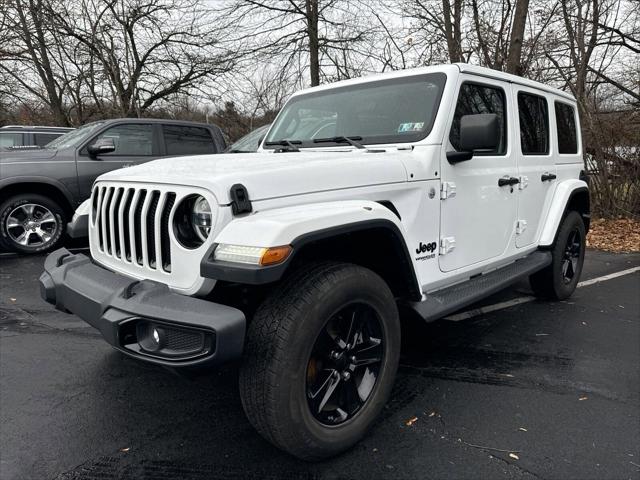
x: 150, y: 337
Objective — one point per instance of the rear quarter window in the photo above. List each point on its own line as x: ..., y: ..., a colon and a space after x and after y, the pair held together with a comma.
x: 186, y: 140
x: 566, y: 128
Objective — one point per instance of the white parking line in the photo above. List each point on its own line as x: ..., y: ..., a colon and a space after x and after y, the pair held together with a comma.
x: 520, y: 300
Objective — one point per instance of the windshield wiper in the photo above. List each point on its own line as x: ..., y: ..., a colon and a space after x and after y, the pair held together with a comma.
x: 291, y: 144
x: 340, y: 139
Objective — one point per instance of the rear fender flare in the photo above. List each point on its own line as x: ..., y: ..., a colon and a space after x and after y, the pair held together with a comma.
x: 562, y: 197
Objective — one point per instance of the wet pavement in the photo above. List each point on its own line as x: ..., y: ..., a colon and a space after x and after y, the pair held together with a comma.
x: 556, y: 385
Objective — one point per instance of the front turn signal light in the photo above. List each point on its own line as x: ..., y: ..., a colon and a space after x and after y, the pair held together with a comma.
x: 263, y: 256
x: 275, y: 255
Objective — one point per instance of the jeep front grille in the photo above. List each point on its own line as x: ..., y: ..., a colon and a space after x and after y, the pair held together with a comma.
x: 132, y: 225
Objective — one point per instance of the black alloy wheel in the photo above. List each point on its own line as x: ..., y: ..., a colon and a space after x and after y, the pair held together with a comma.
x: 344, y: 364
x: 571, y: 259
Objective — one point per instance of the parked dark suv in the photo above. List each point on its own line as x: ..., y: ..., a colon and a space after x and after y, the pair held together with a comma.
x: 40, y: 188
x: 21, y: 136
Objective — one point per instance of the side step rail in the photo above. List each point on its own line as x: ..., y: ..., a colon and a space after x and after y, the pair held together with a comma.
x: 448, y: 300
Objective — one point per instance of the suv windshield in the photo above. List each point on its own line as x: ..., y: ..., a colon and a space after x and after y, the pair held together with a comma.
x: 397, y: 110
x: 74, y: 137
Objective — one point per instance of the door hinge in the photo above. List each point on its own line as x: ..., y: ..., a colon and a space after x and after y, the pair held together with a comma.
x: 447, y: 190
x: 524, y: 182
x: 521, y: 226
x: 447, y: 244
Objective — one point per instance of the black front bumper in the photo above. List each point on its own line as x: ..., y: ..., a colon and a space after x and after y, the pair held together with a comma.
x: 192, y: 331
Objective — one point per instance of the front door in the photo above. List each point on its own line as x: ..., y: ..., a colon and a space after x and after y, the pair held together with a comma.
x: 135, y: 143
x: 477, y: 223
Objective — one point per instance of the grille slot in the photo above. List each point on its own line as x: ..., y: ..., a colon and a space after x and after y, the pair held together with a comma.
x: 151, y: 229
x: 132, y: 225
x: 165, y: 239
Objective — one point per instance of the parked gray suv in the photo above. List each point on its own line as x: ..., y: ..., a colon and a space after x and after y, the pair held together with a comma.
x: 40, y: 188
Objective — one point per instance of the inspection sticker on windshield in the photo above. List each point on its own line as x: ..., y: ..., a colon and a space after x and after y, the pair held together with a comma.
x: 410, y: 127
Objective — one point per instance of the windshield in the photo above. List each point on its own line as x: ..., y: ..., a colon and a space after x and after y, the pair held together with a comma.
x: 250, y: 142
x: 74, y: 137
x: 397, y: 110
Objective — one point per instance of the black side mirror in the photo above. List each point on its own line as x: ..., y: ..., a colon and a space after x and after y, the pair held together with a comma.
x: 102, y: 146
x: 478, y: 133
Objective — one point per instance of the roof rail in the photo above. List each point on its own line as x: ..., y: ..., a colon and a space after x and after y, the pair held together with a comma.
x: 36, y: 127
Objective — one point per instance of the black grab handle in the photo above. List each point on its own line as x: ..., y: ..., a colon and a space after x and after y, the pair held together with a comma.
x: 504, y: 181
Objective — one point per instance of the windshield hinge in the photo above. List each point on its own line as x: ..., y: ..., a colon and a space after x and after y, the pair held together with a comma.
x: 447, y: 190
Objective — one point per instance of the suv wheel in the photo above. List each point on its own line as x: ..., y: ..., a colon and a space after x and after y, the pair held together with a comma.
x: 559, y: 280
x: 31, y: 223
x: 320, y: 360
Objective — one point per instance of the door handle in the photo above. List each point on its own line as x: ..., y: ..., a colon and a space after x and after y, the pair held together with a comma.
x: 547, y: 177
x: 507, y: 180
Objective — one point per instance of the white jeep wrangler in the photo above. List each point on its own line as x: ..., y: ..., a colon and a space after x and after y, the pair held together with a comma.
x: 424, y: 189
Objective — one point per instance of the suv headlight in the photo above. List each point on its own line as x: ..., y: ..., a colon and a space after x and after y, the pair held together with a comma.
x: 201, y: 218
x: 192, y: 221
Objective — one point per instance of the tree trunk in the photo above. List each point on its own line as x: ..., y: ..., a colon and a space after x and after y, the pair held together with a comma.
x: 452, y: 29
x: 517, y: 36
x: 314, y: 42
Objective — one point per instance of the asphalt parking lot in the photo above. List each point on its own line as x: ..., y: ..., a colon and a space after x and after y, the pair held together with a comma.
x: 535, y: 390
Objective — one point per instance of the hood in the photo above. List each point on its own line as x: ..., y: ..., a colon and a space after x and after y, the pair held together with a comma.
x: 270, y: 175
x: 31, y: 154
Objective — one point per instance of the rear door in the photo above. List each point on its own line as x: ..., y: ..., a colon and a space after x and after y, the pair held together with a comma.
x: 477, y: 221
x: 187, y: 140
x: 135, y: 143
x: 536, y: 164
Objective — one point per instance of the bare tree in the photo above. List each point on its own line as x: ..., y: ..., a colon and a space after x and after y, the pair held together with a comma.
x: 517, y: 37
x: 301, y: 33
x: 145, y: 50
x: 27, y: 57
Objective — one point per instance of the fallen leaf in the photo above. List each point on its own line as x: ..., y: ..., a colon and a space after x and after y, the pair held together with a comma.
x: 411, y: 421
x: 513, y: 455
x: 583, y: 398
x: 614, y: 235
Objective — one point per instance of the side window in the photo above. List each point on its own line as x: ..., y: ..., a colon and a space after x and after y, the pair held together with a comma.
x: 534, y: 124
x: 10, y: 139
x: 42, y: 139
x: 474, y: 99
x: 133, y: 139
x: 566, y: 128
x: 183, y: 140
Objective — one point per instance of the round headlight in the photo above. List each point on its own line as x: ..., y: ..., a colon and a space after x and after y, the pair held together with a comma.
x: 192, y: 221
x: 201, y: 218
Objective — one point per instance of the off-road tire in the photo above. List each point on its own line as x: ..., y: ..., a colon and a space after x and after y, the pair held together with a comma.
x: 13, y: 202
x: 549, y: 283
x: 280, y: 338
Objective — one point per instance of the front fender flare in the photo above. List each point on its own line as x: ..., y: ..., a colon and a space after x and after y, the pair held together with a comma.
x: 297, y: 226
